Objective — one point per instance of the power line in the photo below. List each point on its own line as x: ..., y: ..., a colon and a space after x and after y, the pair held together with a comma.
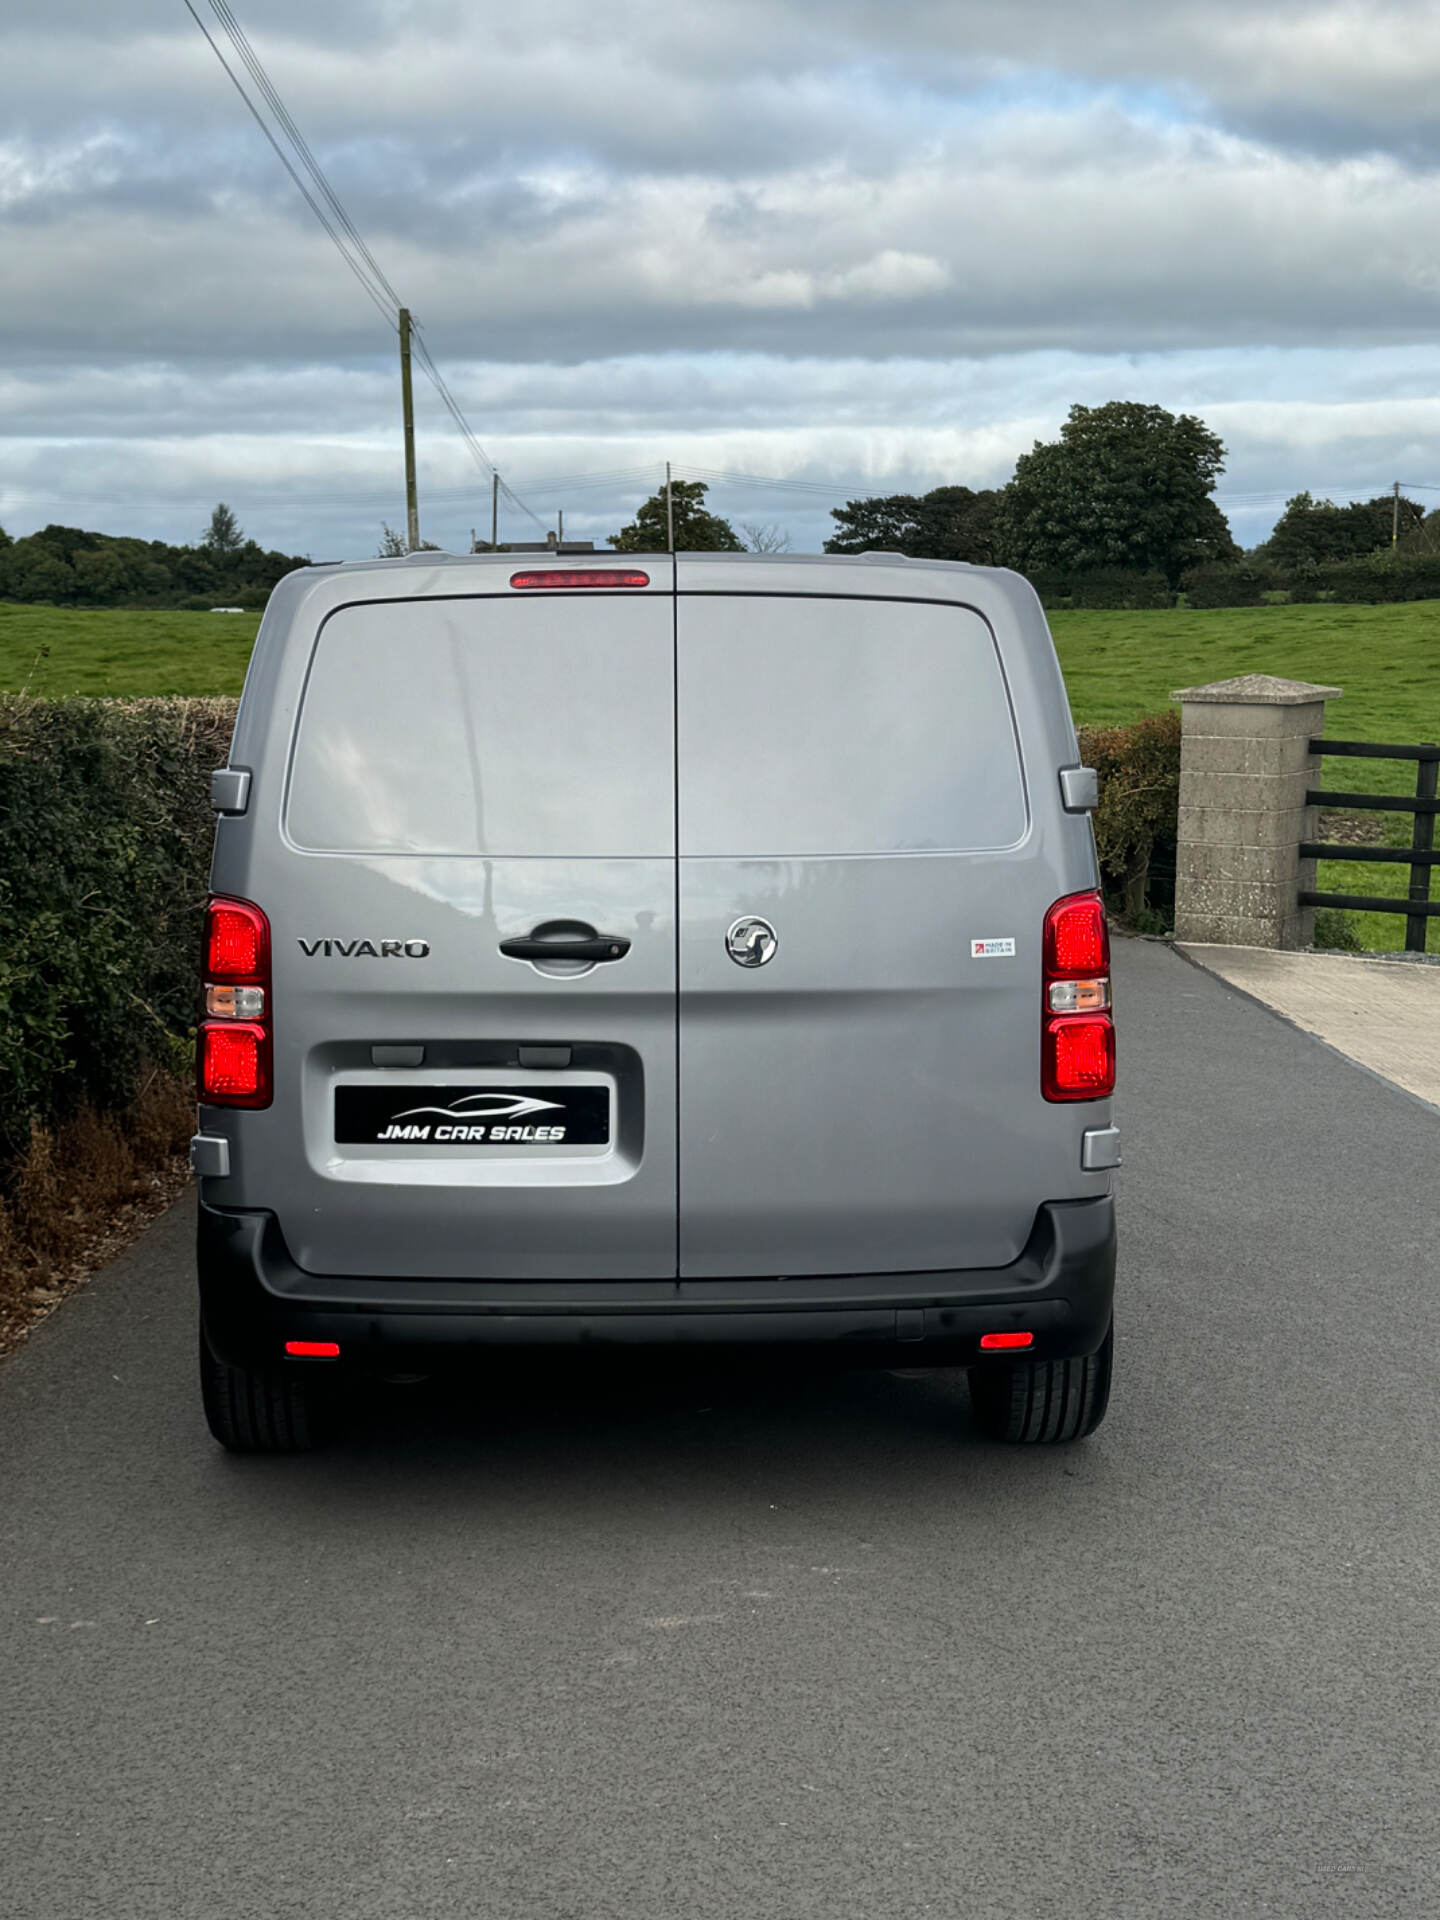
x: 452, y: 405
x: 241, y: 43
x: 332, y: 215
x: 284, y: 160
x: 1348, y: 490
x: 515, y: 501
x: 580, y: 481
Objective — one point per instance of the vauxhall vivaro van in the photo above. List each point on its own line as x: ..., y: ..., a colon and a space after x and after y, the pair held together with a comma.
x: 680, y: 948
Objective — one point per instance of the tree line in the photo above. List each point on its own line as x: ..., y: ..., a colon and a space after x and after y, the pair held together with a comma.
x: 67, y: 566
x: 1127, y: 488
x: 1119, y: 509
x: 1121, y: 504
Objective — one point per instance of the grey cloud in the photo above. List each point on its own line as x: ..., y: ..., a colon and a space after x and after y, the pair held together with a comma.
x: 636, y: 80
x: 1032, y: 229
x: 405, y: 111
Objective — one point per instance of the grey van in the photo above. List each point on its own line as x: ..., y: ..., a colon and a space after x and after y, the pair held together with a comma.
x: 676, y: 948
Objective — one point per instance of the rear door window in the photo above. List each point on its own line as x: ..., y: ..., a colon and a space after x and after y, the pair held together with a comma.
x: 515, y: 727
x: 829, y: 726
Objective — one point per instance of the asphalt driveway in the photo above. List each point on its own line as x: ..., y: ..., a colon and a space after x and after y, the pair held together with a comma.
x: 664, y: 1645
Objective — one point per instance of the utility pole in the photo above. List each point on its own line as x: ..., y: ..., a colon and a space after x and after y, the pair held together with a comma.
x: 669, y: 510
x: 1395, y: 519
x: 407, y: 403
x: 560, y: 537
x: 494, y: 512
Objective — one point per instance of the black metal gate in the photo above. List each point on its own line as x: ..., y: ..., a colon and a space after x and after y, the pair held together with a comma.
x: 1419, y: 856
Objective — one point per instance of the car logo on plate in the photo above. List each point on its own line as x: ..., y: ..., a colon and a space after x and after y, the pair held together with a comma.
x: 751, y: 942
x: 484, y: 1106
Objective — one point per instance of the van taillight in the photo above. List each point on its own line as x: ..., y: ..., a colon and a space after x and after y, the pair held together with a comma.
x: 233, y: 1046
x: 1077, y: 1048
x: 234, y: 1065
x: 237, y: 941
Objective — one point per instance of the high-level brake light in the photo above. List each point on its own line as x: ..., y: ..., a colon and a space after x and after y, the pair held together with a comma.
x: 233, y: 1046
x: 555, y: 577
x: 1077, y: 1044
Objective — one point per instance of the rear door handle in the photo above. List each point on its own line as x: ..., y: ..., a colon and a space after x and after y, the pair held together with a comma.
x: 566, y: 940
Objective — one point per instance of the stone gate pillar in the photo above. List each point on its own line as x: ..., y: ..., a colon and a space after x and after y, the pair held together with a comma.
x: 1245, y: 764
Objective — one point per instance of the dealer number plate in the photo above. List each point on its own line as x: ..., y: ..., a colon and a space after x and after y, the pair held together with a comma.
x: 533, y: 1116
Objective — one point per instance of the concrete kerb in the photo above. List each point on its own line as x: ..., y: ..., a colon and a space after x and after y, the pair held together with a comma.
x: 1380, y: 1012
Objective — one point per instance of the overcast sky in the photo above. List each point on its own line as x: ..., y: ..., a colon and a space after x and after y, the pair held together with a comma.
x: 854, y: 246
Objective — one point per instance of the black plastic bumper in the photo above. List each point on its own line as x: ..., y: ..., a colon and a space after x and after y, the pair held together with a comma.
x: 255, y: 1298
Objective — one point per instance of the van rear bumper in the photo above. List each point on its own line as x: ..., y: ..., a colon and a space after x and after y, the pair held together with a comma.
x: 254, y: 1298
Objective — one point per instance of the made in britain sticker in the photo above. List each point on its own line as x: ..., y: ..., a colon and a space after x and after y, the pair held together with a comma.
x: 992, y: 949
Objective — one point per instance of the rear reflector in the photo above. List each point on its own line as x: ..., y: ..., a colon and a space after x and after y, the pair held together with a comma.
x: 233, y: 1063
x: 1078, y: 1057
x: 591, y: 577
x: 237, y: 941
x: 999, y: 1342
x: 313, y: 1349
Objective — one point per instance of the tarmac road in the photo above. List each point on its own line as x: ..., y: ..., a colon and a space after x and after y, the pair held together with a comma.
x: 666, y: 1647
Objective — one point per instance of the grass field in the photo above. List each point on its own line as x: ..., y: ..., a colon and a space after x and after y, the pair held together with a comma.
x: 1118, y: 666
x: 116, y: 650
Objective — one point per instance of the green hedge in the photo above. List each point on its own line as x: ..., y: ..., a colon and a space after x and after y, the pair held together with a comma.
x: 1218, y: 585
x: 1379, y: 577
x: 1106, y: 588
x: 1139, y: 811
x: 1375, y: 579
x: 105, y: 834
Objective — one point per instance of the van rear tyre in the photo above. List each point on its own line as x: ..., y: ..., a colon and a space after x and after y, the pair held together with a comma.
x: 260, y: 1409
x: 1042, y: 1402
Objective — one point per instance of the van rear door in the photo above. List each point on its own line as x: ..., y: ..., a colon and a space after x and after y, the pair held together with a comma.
x: 866, y: 1100
x: 469, y: 773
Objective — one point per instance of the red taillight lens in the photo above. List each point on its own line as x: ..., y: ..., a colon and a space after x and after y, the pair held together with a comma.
x: 237, y: 942
x: 1003, y: 1342
x: 1078, y: 1058
x: 233, y: 1063
x: 233, y: 1047
x: 313, y: 1349
x: 587, y: 577
x: 1076, y: 940
x: 1077, y: 1039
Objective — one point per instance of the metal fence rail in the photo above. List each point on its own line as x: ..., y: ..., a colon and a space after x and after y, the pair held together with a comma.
x: 1420, y: 856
